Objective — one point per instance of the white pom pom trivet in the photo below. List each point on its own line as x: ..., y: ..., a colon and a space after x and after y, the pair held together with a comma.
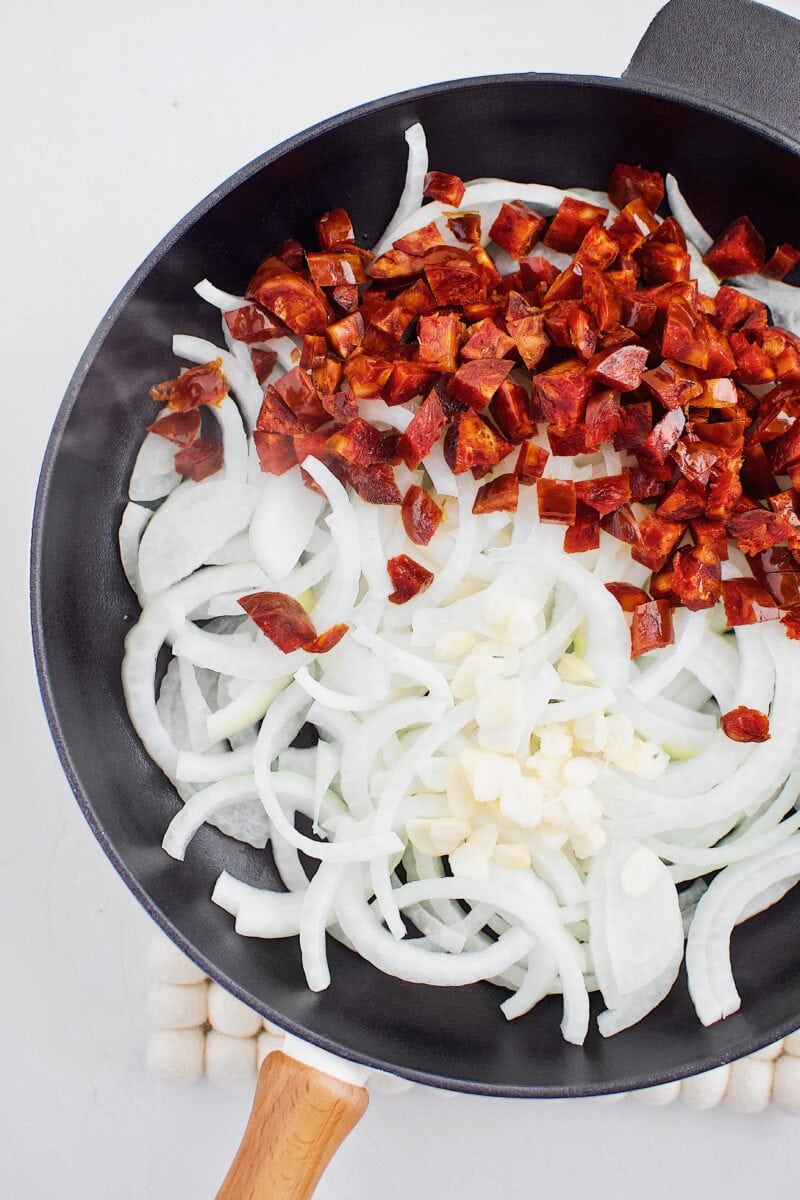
x: 202, y: 1029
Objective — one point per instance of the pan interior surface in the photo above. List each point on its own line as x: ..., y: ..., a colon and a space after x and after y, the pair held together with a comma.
x: 567, y: 132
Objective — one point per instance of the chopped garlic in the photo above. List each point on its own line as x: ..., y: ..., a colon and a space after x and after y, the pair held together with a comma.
x: 590, y: 732
x: 620, y: 736
x: 436, y: 836
x: 472, y: 667
x: 640, y: 873
x: 579, y: 771
x: 587, y: 844
x: 515, y: 856
x: 460, y: 799
x: 484, y: 839
x: 552, y: 791
x: 447, y: 834
x: 555, y: 813
x: 472, y: 859
x: 418, y: 831
x: 555, y: 741
x: 574, y: 669
x: 454, y: 644
x: 515, y: 619
x: 523, y: 805
x: 489, y: 775
x: 549, y: 770
x: 582, y: 806
x: 554, y: 838
x: 644, y: 759
x: 500, y: 705
x: 432, y: 773
x: 468, y: 863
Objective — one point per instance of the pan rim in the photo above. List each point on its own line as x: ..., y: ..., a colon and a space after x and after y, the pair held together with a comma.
x: 749, y: 1041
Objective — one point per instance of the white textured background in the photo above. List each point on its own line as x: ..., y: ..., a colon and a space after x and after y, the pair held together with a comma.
x: 115, y: 118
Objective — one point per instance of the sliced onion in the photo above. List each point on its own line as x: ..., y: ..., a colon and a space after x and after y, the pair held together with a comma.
x: 327, y: 696
x: 403, y: 662
x: 246, y: 709
x: 562, y: 947
x: 154, y: 475
x: 667, y: 663
x: 540, y: 975
x: 341, y: 592
x: 280, y: 725
x: 204, y: 804
x: 131, y: 527
x: 277, y: 544
x: 782, y: 299
x: 708, y: 964
x: 685, y: 217
x: 406, y: 961
x: 258, y: 913
x: 637, y: 938
x: 359, y: 752
x: 234, y: 441
x: 214, y: 511
x: 224, y: 301
x: 411, y: 197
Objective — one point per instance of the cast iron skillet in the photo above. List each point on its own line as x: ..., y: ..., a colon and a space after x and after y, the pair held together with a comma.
x: 711, y: 94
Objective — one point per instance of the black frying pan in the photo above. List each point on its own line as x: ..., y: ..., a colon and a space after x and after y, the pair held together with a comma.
x: 712, y: 95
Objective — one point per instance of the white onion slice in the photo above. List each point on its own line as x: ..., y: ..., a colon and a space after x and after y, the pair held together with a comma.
x: 282, y: 524
x: 204, y: 804
x: 234, y: 440
x: 411, y: 196
x: 224, y: 301
x: 145, y: 640
x: 685, y: 217
x: 317, y: 913
x: 708, y: 965
x: 246, y: 709
x: 235, y: 654
x: 782, y: 299
x: 329, y: 697
x: 154, y: 475
x: 636, y: 937
x: 131, y: 527
x: 562, y: 947
x: 285, y: 716
x: 340, y: 594
x: 406, y: 961
x: 259, y: 913
x: 540, y: 975
x: 403, y: 662
x: 182, y: 534
x: 195, y: 706
x: 359, y: 752
x: 206, y: 768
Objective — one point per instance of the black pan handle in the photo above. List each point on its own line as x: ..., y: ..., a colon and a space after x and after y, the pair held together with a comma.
x: 735, y: 53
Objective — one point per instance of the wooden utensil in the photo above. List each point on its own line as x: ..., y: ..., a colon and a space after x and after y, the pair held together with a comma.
x: 300, y: 1117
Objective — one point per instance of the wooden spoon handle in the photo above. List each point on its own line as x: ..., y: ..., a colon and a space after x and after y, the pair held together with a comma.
x: 299, y: 1119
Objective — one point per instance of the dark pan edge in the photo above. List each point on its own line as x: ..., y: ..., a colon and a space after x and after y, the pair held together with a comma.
x: 745, y: 1045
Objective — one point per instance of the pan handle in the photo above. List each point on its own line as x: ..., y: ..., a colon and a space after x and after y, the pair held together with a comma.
x: 735, y: 53
x: 300, y: 1117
